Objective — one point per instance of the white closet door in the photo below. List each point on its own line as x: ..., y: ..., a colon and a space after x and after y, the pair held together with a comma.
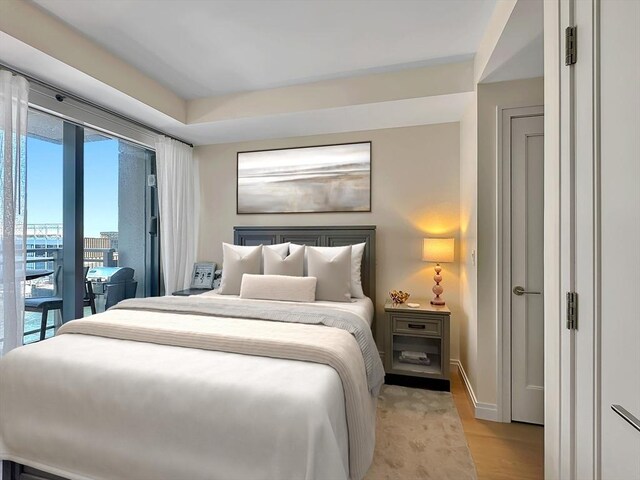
x: 527, y: 271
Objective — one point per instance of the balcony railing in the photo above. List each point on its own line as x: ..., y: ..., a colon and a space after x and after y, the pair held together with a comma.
x: 52, y: 257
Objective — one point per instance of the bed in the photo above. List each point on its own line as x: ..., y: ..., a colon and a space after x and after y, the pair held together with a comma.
x: 165, y: 392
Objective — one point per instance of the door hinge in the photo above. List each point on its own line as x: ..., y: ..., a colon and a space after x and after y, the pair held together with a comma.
x: 570, y: 46
x: 572, y: 310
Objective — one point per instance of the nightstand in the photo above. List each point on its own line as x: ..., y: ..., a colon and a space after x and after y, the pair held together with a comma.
x: 190, y: 291
x: 423, y: 329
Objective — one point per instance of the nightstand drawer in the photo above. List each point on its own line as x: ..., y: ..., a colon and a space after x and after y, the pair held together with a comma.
x: 412, y: 325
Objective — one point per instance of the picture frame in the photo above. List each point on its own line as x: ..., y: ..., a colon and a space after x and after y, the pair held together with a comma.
x: 202, y: 275
x: 333, y: 178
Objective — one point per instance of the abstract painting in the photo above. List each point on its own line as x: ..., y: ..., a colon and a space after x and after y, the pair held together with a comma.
x: 330, y: 178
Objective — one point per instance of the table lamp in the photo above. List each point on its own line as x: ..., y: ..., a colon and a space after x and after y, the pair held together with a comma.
x: 438, y: 250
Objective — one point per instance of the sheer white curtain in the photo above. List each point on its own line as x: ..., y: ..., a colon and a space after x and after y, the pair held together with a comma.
x: 179, y: 202
x: 14, y: 98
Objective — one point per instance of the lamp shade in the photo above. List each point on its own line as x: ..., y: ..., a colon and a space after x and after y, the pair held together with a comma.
x: 439, y: 250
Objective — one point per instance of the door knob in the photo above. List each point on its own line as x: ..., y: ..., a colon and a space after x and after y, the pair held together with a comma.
x: 518, y: 290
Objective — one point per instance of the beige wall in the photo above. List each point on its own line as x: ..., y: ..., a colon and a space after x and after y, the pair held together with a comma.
x: 415, y: 192
x: 468, y: 241
x: 445, y: 79
x: 517, y: 93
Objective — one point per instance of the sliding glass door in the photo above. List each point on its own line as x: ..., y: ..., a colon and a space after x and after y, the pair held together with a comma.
x: 44, y: 225
x: 117, y: 209
x: 101, y: 188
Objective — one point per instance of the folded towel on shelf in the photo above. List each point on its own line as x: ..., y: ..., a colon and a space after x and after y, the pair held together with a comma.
x: 414, y: 355
x: 416, y: 358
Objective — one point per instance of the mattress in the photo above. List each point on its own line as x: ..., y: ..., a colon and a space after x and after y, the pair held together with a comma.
x: 208, y: 414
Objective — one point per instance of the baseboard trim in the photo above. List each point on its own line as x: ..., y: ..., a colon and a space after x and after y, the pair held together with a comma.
x: 483, y: 411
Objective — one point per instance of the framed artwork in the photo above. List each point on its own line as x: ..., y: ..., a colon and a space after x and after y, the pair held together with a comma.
x: 328, y: 178
x: 203, y: 275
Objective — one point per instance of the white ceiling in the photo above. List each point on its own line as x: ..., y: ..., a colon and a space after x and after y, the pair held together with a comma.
x: 389, y: 114
x: 205, y: 48
x: 520, y: 50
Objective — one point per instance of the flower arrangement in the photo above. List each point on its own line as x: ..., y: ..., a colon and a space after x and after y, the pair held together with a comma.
x: 398, y: 297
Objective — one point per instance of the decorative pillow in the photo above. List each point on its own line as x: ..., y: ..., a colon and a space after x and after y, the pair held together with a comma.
x: 332, y: 268
x: 281, y: 249
x: 236, y: 261
x: 294, y: 248
x: 276, y: 264
x: 357, y: 252
x: 278, y: 287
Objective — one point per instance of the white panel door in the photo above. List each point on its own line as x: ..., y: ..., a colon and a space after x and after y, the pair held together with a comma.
x: 527, y: 273
x: 620, y: 236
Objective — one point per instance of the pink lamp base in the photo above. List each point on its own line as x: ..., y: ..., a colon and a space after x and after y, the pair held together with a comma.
x: 437, y: 288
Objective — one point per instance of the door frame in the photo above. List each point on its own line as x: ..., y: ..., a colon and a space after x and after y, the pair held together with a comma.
x: 572, y: 222
x: 559, y: 444
x: 583, y: 249
x: 504, y: 116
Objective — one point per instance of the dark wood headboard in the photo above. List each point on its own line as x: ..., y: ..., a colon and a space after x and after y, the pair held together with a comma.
x: 319, y: 237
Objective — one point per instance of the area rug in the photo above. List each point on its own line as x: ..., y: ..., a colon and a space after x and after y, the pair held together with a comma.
x: 419, y: 436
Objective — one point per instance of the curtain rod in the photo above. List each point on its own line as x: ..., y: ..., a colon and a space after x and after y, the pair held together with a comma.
x: 65, y: 93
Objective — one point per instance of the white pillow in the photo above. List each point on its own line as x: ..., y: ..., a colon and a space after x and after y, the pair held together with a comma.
x: 275, y: 264
x: 293, y: 248
x: 332, y: 269
x: 357, y: 252
x: 278, y: 287
x: 281, y: 249
x: 236, y: 261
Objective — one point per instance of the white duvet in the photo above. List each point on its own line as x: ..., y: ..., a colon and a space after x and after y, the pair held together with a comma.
x: 208, y: 414
x: 362, y: 307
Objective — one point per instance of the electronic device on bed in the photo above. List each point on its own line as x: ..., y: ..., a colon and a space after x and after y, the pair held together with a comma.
x: 217, y: 278
x: 203, y: 275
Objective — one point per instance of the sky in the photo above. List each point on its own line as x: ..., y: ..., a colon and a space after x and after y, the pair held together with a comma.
x: 44, y: 184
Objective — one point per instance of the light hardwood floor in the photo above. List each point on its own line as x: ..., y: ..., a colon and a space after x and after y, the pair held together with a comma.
x: 501, y: 451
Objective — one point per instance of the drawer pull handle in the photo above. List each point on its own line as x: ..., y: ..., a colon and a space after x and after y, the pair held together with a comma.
x: 417, y: 326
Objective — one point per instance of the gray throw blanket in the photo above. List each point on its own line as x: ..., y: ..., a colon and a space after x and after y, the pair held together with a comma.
x: 273, y: 311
